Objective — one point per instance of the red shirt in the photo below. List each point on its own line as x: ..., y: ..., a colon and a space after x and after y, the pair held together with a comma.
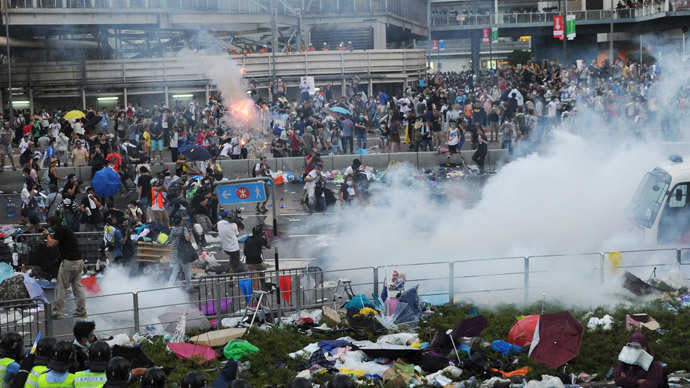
x: 27, y: 129
x: 115, y: 160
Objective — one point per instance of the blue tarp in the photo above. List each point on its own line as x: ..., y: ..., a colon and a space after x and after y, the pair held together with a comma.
x: 505, y: 348
x: 359, y: 302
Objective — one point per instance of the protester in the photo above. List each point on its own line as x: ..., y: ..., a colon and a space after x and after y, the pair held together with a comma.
x: 178, y: 232
x: 228, y: 232
x: 638, y: 368
x: 253, y: 247
x: 71, y: 267
x: 83, y: 337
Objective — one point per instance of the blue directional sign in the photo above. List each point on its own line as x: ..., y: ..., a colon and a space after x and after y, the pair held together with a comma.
x: 241, y: 193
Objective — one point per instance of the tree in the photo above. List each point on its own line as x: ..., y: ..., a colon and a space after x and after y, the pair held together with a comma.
x: 634, y: 56
x: 519, y: 57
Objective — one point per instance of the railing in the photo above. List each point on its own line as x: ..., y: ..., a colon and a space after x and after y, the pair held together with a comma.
x: 28, y: 316
x: 410, y: 9
x: 509, y: 279
x: 175, y: 71
x: 547, y: 17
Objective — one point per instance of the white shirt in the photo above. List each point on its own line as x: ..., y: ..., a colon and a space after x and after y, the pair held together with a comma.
x: 226, y: 149
x: 311, y: 185
x: 23, y: 145
x: 54, y: 129
x: 551, y: 108
x: 228, y: 233
x: 26, y: 195
x: 174, y: 139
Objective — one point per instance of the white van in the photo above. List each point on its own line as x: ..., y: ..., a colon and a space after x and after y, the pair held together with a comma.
x: 661, y: 207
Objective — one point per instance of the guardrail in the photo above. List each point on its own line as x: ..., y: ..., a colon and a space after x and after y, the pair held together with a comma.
x: 28, y: 316
x: 187, y: 72
x: 501, y: 278
x: 545, y: 17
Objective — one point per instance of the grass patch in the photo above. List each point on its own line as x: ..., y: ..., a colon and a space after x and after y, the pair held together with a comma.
x: 599, y: 351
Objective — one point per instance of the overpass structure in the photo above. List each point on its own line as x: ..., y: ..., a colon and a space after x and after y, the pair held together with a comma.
x: 64, y: 84
x: 665, y: 16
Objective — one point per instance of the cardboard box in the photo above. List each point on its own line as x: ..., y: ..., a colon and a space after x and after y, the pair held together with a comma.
x: 330, y: 316
x: 218, y: 338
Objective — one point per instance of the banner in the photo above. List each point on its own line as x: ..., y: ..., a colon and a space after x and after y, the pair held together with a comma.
x: 494, y: 34
x: 441, y: 45
x: 434, y: 45
x: 558, y: 26
x: 485, y: 35
x: 570, y: 27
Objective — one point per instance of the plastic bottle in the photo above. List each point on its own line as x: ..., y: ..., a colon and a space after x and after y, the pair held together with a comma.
x: 11, y: 209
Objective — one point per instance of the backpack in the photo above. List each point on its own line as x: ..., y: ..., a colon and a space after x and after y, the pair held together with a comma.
x: 175, y: 189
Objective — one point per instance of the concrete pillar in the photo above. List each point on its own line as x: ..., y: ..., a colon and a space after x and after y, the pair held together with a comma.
x: 344, y: 88
x: 83, y: 98
x: 31, y: 100
x: 124, y: 93
x: 370, y: 86
x: 208, y: 93
x: 167, y: 103
x: 475, y: 52
x: 379, y: 38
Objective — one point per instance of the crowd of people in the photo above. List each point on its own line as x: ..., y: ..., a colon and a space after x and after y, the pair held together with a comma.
x: 89, y: 363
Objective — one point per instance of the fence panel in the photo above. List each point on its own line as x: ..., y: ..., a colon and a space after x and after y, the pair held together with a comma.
x: 27, y: 317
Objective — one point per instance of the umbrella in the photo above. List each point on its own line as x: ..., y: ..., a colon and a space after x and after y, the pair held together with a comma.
x: 106, y: 182
x: 195, y: 318
x: 522, y: 333
x: 134, y: 354
x: 184, y: 351
x: 195, y: 152
x: 557, y: 339
x: 92, y: 121
x: 471, y: 327
x: 338, y: 109
x: 34, y: 290
x: 74, y: 114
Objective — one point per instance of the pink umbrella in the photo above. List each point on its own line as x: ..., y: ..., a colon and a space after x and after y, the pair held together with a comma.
x: 184, y: 351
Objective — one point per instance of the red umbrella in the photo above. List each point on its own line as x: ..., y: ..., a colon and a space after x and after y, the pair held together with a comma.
x: 184, y: 351
x: 557, y: 339
x: 521, y: 334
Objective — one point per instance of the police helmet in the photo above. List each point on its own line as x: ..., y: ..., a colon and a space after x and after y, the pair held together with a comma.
x: 154, y: 378
x: 194, y: 379
x: 117, y: 370
x: 99, y: 355
x: 61, y: 357
x: 12, y: 345
x: 43, y: 349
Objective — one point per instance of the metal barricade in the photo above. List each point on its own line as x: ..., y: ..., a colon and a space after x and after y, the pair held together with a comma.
x: 27, y: 317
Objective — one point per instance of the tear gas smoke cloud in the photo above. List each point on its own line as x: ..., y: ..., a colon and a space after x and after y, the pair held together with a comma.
x: 569, y: 198
x: 117, y: 309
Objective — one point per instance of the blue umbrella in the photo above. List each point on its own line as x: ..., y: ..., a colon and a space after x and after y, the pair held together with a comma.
x: 195, y: 152
x: 106, y: 182
x: 338, y: 109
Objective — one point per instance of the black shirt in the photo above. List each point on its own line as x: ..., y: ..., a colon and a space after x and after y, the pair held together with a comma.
x: 252, y: 249
x: 68, y: 245
x: 145, y: 184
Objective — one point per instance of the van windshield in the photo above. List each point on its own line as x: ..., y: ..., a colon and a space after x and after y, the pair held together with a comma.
x: 649, y: 196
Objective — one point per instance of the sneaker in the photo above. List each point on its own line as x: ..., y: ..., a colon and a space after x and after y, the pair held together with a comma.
x: 85, y: 315
x: 58, y: 316
x: 21, y: 222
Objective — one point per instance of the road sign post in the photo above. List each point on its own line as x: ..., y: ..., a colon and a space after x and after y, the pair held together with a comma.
x: 250, y: 190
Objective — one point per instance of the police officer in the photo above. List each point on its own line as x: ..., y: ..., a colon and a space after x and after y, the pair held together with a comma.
x: 94, y: 377
x: 43, y: 351
x: 194, y: 379
x: 117, y: 373
x: 154, y: 378
x: 12, y: 347
x: 61, y: 359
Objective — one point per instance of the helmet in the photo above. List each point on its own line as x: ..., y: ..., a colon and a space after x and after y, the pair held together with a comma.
x: 194, y: 379
x: 12, y: 345
x: 61, y: 357
x: 117, y: 370
x: 43, y: 349
x: 154, y: 378
x: 99, y: 355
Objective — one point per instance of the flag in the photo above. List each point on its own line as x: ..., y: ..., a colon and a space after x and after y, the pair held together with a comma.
x: 434, y: 45
x: 557, y: 26
x: 494, y: 34
x: 485, y: 35
x: 570, y: 26
x: 441, y: 45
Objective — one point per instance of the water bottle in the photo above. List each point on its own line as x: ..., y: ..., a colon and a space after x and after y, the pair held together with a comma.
x: 10, y: 208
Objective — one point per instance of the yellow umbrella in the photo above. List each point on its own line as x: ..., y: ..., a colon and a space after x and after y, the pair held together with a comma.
x: 74, y: 114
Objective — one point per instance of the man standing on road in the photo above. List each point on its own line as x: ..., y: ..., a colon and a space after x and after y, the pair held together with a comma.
x: 228, y: 233
x: 6, y: 135
x: 71, y: 267
x: 347, y: 135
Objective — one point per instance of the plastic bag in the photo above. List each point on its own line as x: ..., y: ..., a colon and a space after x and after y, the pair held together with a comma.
x: 209, y: 258
x: 6, y: 271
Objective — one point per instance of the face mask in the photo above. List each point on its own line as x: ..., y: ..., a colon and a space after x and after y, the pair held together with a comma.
x: 349, y: 183
x: 361, y: 116
x: 298, y: 119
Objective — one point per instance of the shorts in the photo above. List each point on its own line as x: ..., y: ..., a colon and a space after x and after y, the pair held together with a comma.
x: 383, y: 139
x: 33, y: 217
x: 256, y: 267
x: 156, y: 145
